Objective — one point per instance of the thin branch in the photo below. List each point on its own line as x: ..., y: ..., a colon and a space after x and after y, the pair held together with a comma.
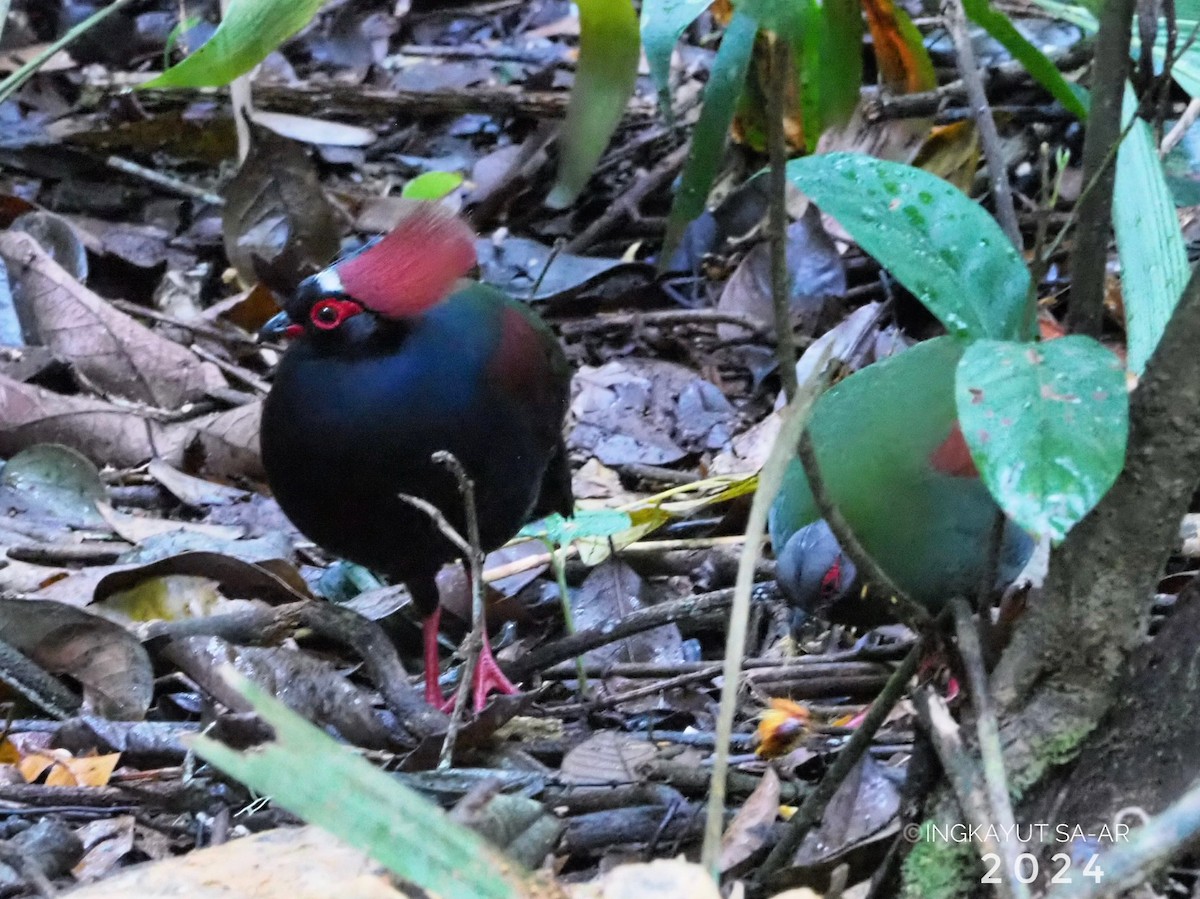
x: 785, y: 338
x: 956, y: 23
x: 795, y: 417
x: 1085, y: 315
x: 988, y: 732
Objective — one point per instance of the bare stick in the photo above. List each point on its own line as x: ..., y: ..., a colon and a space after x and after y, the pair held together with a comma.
x: 795, y: 417
x: 999, y: 810
x: 989, y: 137
x: 785, y: 339
x: 470, y: 548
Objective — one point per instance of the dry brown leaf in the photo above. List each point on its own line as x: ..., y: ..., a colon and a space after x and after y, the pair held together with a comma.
x: 279, y: 864
x: 111, y: 664
x: 751, y: 826
x: 107, y: 347
x: 607, y: 756
x: 225, y: 444
x: 136, y: 528
x: 105, y: 842
x: 105, y: 433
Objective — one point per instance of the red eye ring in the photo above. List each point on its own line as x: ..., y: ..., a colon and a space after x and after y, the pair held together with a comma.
x: 329, y: 313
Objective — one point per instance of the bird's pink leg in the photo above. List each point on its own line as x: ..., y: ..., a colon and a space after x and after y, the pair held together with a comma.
x: 488, y: 676
x: 429, y: 632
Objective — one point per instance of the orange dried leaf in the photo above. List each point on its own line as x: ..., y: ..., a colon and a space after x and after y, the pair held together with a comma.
x: 904, y: 64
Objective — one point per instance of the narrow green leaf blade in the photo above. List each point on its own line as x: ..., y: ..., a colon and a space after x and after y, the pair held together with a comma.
x: 1046, y: 424
x: 361, y: 805
x: 663, y: 22
x: 1154, y: 265
x: 837, y: 71
x: 609, y: 50
x: 934, y: 239
x: 250, y: 30
x: 712, y: 130
x: 1001, y: 28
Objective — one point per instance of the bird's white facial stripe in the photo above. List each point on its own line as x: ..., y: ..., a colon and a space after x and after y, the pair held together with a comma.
x: 329, y: 282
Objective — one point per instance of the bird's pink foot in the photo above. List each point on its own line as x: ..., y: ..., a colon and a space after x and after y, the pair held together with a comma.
x: 488, y: 676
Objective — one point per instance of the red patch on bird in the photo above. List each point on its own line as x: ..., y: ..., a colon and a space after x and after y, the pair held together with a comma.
x: 414, y: 266
x: 952, y: 457
x: 519, y: 364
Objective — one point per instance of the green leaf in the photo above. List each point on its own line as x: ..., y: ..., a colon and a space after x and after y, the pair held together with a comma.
x: 1001, y: 28
x: 663, y: 22
x: 609, y: 50
x: 1046, y: 425
x: 1154, y: 265
x: 250, y: 30
x: 712, y: 130
x: 432, y: 186
x: 934, y: 239
x: 584, y: 524
x: 836, y: 72
x: 363, y: 806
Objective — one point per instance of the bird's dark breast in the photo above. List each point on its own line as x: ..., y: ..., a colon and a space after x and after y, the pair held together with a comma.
x: 342, y: 437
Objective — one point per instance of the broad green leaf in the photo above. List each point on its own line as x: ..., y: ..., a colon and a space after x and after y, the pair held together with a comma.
x: 1046, y: 424
x: 712, y: 130
x: 363, y: 806
x: 934, y: 239
x: 432, y: 186
x: 250, y: 30
x: 1154, y: 265
x: 874, y: 435
x: 663, y: 22
x: 1044, y: 72
x: 609, y: 50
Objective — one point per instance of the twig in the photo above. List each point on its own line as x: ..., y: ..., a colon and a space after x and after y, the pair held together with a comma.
x: 1000, y: 810
x: 13, y: 82
x: 1180, y: 128
x: 814, y: 804
x: 159, y: 179
x: 785, y: 338
x: 1127, y: 864
x: 626, y: 205
x: 964, y: 775
x: 37, y: 685
x: 1086, y: 309
x: 795, y: 416
x: 956, y: 23
x: 240, y: 99
x: 244, y: 375
x: 470, y: 548
x: 474, y: 642
x: 200, y: 328
x: 609, y: 631
x: 614, y: 320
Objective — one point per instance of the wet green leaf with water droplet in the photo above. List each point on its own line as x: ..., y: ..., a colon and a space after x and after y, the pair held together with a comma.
x: 1046, y: 424
x: 977, y: 288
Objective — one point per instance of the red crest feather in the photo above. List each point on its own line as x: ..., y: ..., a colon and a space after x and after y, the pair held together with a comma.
x: 412, y: 267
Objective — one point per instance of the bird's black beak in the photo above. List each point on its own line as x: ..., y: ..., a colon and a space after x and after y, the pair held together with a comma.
x: 275, y: 328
